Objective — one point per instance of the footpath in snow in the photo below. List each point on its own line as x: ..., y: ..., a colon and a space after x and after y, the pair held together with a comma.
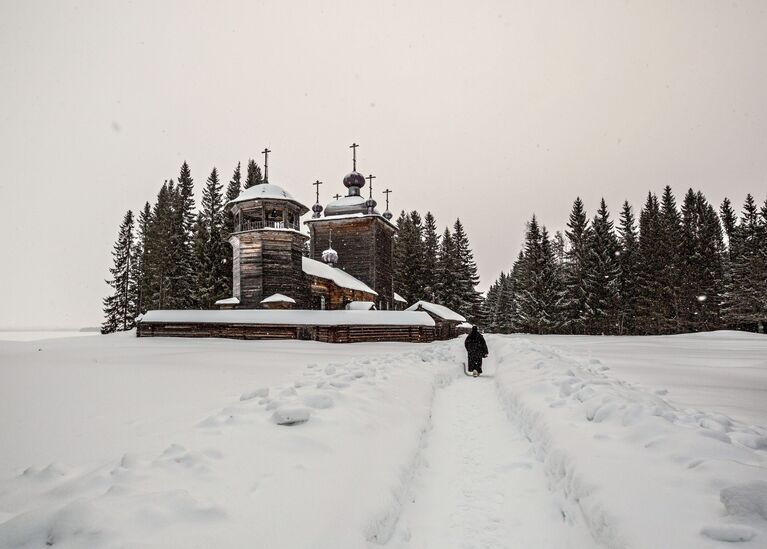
x: 479, y: 484
x: 638, y: 467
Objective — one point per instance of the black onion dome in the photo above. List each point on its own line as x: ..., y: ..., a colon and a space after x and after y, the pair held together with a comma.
x: 317, y: 208
x: 370, y: 203
x: 354, y: 179
x: 388, y: 215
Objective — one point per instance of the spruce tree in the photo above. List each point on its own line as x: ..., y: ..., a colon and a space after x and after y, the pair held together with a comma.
x: 232, y: 192
x: 729, y: 223
x: 398, y: 256
x: 746, y: 295
x: 447, y: 266
x: 539, y: 292
x: 159, y: 266
x: 629, y: 280
x: 253, y: 176
x: 649, y: 317
x: 183, y: 227
x: 602, y: 276
x: 468, y: 298
x: 120, y: 307
x: 574, y: 273
x: 430, y: 253
x: 670, y: 274
x: 409, y: 258
x: 211, y: 252
x: 139, y: 276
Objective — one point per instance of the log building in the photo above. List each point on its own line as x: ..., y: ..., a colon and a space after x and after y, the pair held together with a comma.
x: 350, y: 248
x: 342, y: 289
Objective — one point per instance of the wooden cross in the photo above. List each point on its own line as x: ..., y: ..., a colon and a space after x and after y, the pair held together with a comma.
x: 266, y: 152
x: 386, y: 192
x: 353, y: 147
x: 337, y: 196
x: 370, y: 179
x: 317, y: 185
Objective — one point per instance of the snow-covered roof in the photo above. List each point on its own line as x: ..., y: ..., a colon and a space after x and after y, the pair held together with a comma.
x: 228, y: 301
x: 265, y: 191
x: 465, y: 325
x: 360, y: 306
x: 340, y: 277
x: 437, y: 310
x: 350, y: 216
x: 292, y: 317
x: 399, y: 298
x: 278, y: 298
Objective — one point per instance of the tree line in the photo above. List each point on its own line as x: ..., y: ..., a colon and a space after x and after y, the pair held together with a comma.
x: 433, y: 267
x: 173, y: 256
x: 675, y: 270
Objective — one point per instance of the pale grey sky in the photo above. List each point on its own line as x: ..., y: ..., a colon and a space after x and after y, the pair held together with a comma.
x: 485, y: 110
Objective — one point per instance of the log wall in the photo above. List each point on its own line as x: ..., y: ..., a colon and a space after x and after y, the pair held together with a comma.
x: 365, y: 250
x: 326, y: 334
x: 266, y: 262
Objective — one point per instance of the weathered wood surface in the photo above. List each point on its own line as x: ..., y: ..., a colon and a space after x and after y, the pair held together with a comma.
x: 327, y: 334
x: 335, y: 296
x: 365, y: 250
x: 269, y: 262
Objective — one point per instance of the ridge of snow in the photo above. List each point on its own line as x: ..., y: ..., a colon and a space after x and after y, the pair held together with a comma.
x: 349, y: 216
x: 340, y: 277
x: 265, y: 191
x: 360, y: 306
x: 225, y: 301
x: 295, y: 317
x: 278, y: 298
x: 399, y: 298
x: 628, y: 459
x: 438, y: 310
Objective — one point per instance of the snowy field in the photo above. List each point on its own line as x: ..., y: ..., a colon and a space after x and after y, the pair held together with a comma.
x: 566, y: 442
x: 35, y: 335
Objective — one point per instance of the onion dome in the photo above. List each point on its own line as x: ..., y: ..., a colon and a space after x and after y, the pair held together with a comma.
x: 330, y: 256
x: 354, y: 179
x: 387, y: 214
x: 317, y: 209
x: 371, y: 204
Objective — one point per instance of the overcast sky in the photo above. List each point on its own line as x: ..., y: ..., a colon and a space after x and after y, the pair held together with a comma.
x: 487, y: 111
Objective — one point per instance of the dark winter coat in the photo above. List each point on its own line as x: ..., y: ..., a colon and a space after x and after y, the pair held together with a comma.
x: 477, y: 349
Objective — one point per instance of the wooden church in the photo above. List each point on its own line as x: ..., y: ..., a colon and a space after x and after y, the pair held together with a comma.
x: 350, y: 248
x: 343, y: 265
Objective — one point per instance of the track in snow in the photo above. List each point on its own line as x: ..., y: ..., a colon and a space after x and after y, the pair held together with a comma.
x: 480, y: 485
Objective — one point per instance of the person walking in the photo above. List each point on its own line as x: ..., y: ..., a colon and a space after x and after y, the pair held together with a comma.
x: 477, y: 349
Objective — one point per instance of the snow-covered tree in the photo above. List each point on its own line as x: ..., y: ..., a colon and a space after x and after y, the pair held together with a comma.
x: 120, y: 306
x: 139, y: 277
x: 430, y: 253
x: 184, y: 217
x: 209, y: 247
x: 467, y: 278
x: 574, y: 273
x: 628, y: 281
x: 745, y: 302
x: 602, y: 276
x: 539, y: 291
x: 447, y: 290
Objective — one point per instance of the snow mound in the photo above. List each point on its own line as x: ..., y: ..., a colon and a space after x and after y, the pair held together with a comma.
x: 263, y: 392
x: 318, y: 400
x: 291, y: 415
x: 746, y: 500
x: 729, y: 533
